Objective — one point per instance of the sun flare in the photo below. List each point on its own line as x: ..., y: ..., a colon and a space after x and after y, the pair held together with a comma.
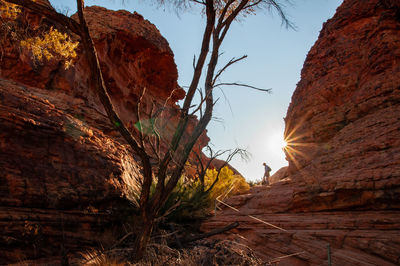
x: 298, y: 147
x: 283, y: 144
x: 276, y: 143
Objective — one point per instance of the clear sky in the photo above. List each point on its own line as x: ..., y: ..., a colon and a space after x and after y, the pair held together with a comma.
x: 250, y: 119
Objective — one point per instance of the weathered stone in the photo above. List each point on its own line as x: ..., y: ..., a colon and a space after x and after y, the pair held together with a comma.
x: 65, y: 172
x: 343, y: 129
x: 63, y: 181
x: 279, y: 175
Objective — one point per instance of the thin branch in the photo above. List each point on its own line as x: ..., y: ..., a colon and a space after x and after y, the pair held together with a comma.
x: 231, y: 62
x: 223, y: 13
x: 164, y: 107
x: 155, y: 147
x: 198, y: 2
x: 285, y: 21
x: 216, y: 178
x: 253, y: 4
x: 242, y: 85
x: 211, y: 233
x: 199, y: 107
x: 140, y: 122
x: 210, y: 13
x: 97, y: 82
x: 227, y: 101
x: 226, y: 23
x: 242, y: 152
x: 121, y: 240
x: 200, y: 164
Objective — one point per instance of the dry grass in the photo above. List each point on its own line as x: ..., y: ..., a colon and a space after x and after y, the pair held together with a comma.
x: 205, y: 252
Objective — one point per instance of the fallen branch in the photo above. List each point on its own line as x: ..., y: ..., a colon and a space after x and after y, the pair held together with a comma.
x: 208, y: 234
x: 251, y: 216
x: 121, y: 240
x: 177, y: 240
x: 278, y: 259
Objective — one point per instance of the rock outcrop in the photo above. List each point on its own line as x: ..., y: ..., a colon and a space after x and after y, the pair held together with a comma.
x: 62, y: 179
x: 343, y: 132
x: 65, y: 173
x: 136, y: 62
x: 279, y: 175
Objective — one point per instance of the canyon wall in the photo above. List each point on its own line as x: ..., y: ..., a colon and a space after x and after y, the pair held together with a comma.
x: 342, y: 186
x: 66, y: 175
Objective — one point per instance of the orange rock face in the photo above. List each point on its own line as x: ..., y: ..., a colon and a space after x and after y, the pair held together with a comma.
x: 61, y: 177
x: 343, y: 123
x: 64, y: 171
x: 343, y: 129
x: 133, y: 56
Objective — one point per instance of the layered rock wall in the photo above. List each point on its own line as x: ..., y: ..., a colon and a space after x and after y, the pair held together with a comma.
x: 66, y: 175
x: 343, y: 123
x: 342, y: 186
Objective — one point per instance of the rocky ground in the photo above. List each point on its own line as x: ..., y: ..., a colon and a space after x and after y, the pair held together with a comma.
x: 355, y: 237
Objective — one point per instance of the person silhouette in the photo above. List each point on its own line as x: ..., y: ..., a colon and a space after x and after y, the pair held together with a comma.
x: 265, y: 179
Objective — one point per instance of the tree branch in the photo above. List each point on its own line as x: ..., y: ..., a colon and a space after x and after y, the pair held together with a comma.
x: 210, y: 12
x: 140, y: 122
x: 208, y: 234
x: 96, y: 79
x: 242, y: 85
x: 231, y: 62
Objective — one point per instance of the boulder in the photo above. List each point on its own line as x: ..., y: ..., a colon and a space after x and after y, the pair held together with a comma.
x: 279, y: 175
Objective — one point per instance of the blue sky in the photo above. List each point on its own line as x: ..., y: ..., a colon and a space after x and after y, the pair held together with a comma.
x: 250, y: 119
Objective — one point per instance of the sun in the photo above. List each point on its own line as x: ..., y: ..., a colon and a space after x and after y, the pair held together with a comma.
x: 275, y: 143
x: 297, y: 148
x: 283, y: 144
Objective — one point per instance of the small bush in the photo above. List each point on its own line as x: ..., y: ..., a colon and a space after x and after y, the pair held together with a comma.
x: 191, y: 201
x: 228, y: 183
x: 255, y: 183
x: 186, y: 202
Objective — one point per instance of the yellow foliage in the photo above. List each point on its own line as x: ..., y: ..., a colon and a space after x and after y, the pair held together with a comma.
x: 228, y: 183
x: 52, y: 44
x: 220, y: 4
x: 8, y: 10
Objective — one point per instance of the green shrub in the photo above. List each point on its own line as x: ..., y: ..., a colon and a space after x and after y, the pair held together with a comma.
x: 191, y: 201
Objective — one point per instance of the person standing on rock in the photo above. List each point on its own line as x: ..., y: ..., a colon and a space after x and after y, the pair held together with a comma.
x: 265, y: 179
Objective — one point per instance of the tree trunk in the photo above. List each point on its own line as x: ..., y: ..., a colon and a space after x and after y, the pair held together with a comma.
x: 143, y: 230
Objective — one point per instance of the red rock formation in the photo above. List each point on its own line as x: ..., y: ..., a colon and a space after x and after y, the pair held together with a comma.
x: 343, y: 122
x: 64, y: 171
x: 343, y: 130
x: 132, y: 53
x: 61, y: 177
x: 279, y: 175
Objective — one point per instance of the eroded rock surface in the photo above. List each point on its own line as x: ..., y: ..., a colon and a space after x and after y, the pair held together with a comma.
x: 62, y: 179
x: 65, y: 172
x: 343, y: 130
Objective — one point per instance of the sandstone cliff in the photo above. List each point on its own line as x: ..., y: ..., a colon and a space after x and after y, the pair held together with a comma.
x: 65, y: 174
x: 342, y: 186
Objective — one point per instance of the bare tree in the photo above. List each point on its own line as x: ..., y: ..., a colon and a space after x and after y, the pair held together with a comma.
x: 219, y: 15
x: 206, y: 162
